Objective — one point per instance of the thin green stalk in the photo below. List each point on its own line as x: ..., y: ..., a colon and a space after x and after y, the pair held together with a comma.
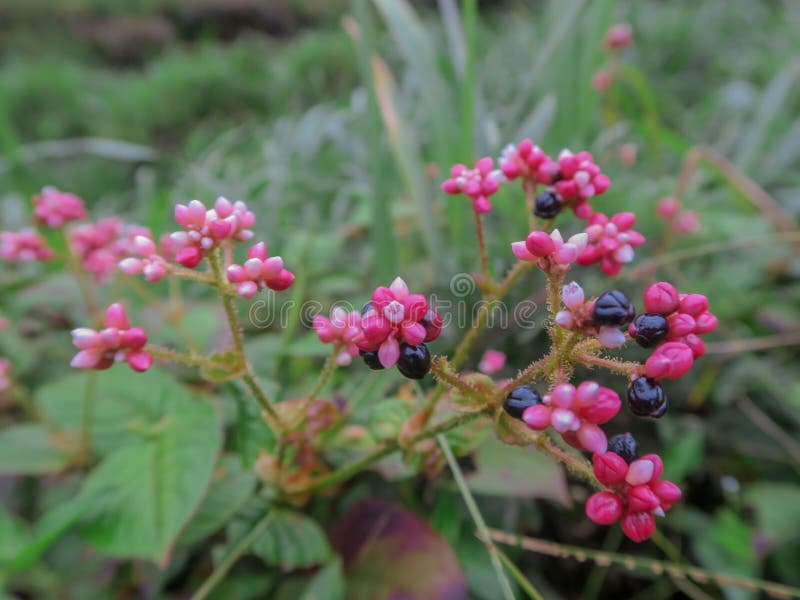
x: 518, y: 575
x: 186, y: 359
x: 230, y: 559
x: 90, y: 393
x: 356, y: 466
x: 327, y: 370
x: 80, y: 276
x: 484, y: 257
x: 475, y: 512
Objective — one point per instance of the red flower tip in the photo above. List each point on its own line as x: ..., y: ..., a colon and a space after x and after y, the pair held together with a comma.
x: 609, y: 468
x: 604, y: 508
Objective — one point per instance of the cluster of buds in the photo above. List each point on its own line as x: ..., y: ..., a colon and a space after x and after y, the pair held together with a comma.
x: 478, y: 183
x: 394, y: 328
x: 341, y: 329
x: 116, y: 342
x: 148, y: 261
x: 635, y: 492
x: 673, y: 323
x: 678, y: 219
x: 100, y: 246
x: 259, y: 271
x: 54, y: 208
x: 24, y: 246
x: 575, y: 413
x: 599, y: 317
x: 611, y: 241
x: 206, y: 229
x: 549, y: 250
x: 579, y: 179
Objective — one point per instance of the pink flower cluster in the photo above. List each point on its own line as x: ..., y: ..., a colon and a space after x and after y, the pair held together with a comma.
x: 258, y: 272
x: 578, y: 317
x: 574, y: 178
x: 341, y: 329
x: 619, y: 37
x: 100, y: 246
x: 679, y: 220
x: 149, y: 262
x: 549, y: 250
x: 611, y: 241
x: 575, y: 413
x: 688, y: 317
x: 207, y: 228
x: 5, y: 374
x: 478, y: 183
x: 24, y: 246
x: 54, y: 208
x: 396, y: 316
x: 117, y: 342
x: 635, y: 496
x: 492, y: 362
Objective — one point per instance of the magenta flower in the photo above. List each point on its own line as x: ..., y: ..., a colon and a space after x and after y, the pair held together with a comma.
x: 549, y: 250
x: 341, y: 329
x: 635, y: 496
x: 54, y: 208
x: 208, y: 228
x: 619, y: 37
x: 117, y: 342
x: 150, y: 263
x: 575, y: 413
x: 529, y: 162
x: 100, y: 246
x: 492, y: 361
x: 259, y: 272
x: 611, y: 241
x: 24, y: 246
x: 396, y: 316
x: 579, y: 180
x: 680, y: 221
x: 478, y: 183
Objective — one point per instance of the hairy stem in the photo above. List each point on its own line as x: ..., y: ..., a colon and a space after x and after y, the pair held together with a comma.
x: 611, y: 364
x: 484, y: 255
x: 186, y: 359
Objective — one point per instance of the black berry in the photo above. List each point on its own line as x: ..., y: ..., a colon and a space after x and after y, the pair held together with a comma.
x: 649, y: 329
x: 414, y: 361
x: 547, y: 205
x: 625, y: 446
x: 646, y: 398
x: 371, y: 359
x: 366, y: 308
x: 519, y: 399
x: 613, y: 308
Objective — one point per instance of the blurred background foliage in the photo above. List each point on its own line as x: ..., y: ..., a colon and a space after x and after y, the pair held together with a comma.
x: 336, y: 121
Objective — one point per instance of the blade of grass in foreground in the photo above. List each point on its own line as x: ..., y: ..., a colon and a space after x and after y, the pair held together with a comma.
x: 361, y: 31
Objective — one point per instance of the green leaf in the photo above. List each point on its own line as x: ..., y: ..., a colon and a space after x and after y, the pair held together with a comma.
x: 519, y: 472
x: 122, y: 414
x: 292, y: 541
x: 684, y: 454
x: 230, y: 489
x: 144, y: 493
x: 29, y: 450
x: 389, y: 553
x: 777, y: 510
x: 13, y: 537
x: 327, y: 583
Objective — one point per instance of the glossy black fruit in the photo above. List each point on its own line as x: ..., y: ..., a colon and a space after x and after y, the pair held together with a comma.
x: 519, y: 399
x: 366, y: 308
x: 613, y: 308
x: 625, y: 446
x: 547, y: 205
x: 371, y: 359
x: 646, y: 398
x: 414, y: 361
x: 649, y: 329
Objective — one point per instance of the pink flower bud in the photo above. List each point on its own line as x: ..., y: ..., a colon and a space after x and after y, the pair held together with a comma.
x: 140, y: 361
x: 705, y: 323
x: 604, y: 508
x: 668, y: 207
x: 540, y: 244
x: 605, y: 407
x: 618, y: 37
x: 601, y: 80
x: 694, y: 304
x: 640, y: 472
x: 658, y: 465
x: 642, y: 499
x: 258, y: 251
x: 670, y: 360
x: 661, y: 298
x: 609, y: 468
x: 134, y: 338
x: 492, y: 362
x: 116, y: 317
x: 389, y: 352
x: 415, y: 305
x: 668, y: 492
x: 592, y: 438
x: 189, y: 257
x: 537, y: 417
x: 638, y: 526
x: 520, y: 250
x: 697, y: 346
x: 611, y: 337
x: 562, y: 395
x: 680, y: 324
x: 247, y: 289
